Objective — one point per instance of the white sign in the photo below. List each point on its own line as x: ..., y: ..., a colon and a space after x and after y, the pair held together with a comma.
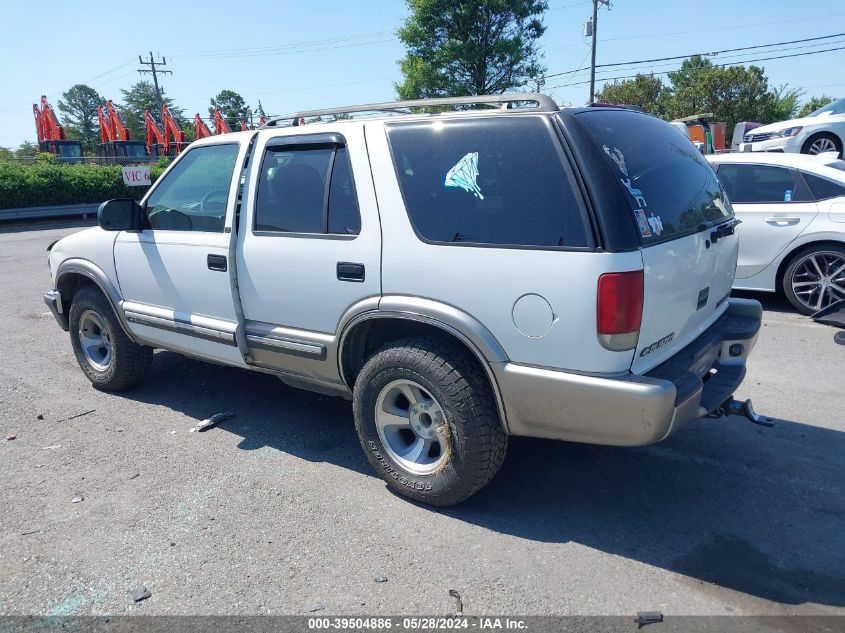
x: 136, y: 176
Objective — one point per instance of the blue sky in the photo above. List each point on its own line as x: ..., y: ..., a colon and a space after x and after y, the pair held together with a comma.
x: 295, y: 55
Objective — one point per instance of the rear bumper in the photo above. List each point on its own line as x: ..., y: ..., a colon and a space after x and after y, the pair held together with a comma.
x: 53, y: 299
x: 632, y: 410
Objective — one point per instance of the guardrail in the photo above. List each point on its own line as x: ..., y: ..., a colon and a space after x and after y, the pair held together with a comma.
x: 40, y: 213
x: 90, y: 160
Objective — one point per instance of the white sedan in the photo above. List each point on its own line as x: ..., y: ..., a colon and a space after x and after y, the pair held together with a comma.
x: 792, y: 236
x: 820, y: 132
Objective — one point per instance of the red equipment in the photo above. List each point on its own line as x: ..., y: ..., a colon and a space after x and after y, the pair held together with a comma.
x: 116, y: 139
x: 158, y: 141
x: 244, y: 126
x: 201, y: 128
x: 262, y: 120
x: 220, y: 125
x: 51, y: 135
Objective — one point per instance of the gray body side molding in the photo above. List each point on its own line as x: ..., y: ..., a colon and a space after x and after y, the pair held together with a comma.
x: 451, y: 320
x: 93, y: 272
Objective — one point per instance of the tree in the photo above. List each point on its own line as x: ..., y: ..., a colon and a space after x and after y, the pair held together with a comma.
x: 259, y: 111
x: 79, y: 109
x: 232, y: 106
x: 472, y: 47
x: 644, y: 91
x: 141, y: 97
x: 814, y: 104
x: 732, y: 94
x: 27, y: 149
x: 6, y: 153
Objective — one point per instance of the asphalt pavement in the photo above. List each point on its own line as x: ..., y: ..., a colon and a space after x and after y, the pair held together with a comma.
x: 275, y: 511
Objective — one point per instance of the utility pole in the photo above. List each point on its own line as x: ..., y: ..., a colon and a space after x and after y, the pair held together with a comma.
x: 155, y: 70
x: 540, y: 83
x: 594, y: 30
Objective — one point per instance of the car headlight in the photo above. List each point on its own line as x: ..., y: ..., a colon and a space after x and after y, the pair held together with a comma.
x: 790, y: 131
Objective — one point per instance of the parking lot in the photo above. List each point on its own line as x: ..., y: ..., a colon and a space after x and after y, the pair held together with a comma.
x: 277, y: 511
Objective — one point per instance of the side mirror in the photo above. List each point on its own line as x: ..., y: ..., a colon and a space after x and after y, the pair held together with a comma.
x: 121, y: 214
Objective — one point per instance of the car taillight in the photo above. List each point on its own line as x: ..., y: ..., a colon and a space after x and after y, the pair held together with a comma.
x: 619, y: 310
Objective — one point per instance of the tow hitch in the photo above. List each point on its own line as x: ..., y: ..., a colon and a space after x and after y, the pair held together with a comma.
x: 744, y: 409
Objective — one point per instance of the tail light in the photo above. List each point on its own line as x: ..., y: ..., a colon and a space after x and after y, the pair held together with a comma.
x: 619, y: 310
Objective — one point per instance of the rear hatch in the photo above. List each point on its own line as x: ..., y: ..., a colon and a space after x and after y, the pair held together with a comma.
x: 683, y: 221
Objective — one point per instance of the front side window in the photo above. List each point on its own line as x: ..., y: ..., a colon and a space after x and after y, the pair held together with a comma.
x: 755, y: 184
x: 194, y: 194
x: 498, y: 180
x: 307, y: 190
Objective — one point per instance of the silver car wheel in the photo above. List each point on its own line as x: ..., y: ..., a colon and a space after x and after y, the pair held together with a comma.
x: 412, y: 427
x: 95, y: 340
x: 821, y: 146
x: 819, y: 279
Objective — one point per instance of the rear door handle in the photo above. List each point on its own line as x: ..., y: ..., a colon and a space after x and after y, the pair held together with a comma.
x: 350, y: 271
x: 217, y: 262
x: 782, y: 221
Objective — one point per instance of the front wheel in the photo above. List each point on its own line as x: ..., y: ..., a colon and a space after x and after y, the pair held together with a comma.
x: 427, y: 421
x: 815, y: 278
x: 822, y: 144
x: 109, y: 358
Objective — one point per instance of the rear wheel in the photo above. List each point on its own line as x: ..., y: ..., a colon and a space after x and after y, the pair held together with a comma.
x: 815, y: 278
x: 109, y: 358
x: 822, y: 144
x: 426, y: 418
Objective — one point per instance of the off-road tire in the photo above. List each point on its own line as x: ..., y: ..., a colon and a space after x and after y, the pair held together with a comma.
x: 129, y: 363
x: 477, y: 440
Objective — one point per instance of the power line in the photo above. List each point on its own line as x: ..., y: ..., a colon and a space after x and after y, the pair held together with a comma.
x: 704, y: 54
x: 647, y: 68
x: 723, y: 28
x: 742, y: 61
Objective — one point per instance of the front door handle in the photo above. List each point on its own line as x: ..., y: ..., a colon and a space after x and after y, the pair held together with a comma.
x: 217, y: 262
x: 350, y: 271
x: 774, y: 221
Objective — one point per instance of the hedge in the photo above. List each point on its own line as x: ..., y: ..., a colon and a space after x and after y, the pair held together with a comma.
x: 46, y: 183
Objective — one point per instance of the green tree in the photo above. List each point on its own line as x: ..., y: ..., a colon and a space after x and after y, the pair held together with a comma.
x: 232, y: 106
x: 732, y: 94
x: 141, y: 97
x: 27, y: 149
x: 472, y: 47
x: 79, y: 111
x: 6, y: 153
x: 259, y: 112
x: 814, y: 104
x: 644, y: 91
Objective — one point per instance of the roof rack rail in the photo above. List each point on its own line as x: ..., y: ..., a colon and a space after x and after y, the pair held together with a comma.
x: 544, y: 104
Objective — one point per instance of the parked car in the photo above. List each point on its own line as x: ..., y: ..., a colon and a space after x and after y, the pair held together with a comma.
x: 461, y: 276
x: 820, y: 132
x: 792, y: 236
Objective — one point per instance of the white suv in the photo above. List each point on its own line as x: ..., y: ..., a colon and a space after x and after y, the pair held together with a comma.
x: 463, y: 276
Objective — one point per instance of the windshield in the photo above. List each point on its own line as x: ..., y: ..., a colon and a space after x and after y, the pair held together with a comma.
x: 671, y: 189
x: 835, y: 107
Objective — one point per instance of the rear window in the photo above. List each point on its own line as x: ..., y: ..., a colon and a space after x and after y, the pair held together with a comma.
x: 670, y: 188
x: 489, y: 180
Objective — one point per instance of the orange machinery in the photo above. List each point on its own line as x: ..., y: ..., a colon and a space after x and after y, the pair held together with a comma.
x: 51, y: 134
x: 115, y: 139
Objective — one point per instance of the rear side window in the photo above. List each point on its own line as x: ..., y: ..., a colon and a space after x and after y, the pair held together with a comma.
x: 671, y: 189
x: 822, y: 188
x: 492, y: 180
x: 306, y: 190
x: 755, y: 184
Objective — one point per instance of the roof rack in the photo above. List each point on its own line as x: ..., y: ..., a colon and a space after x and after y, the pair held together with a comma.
x: 544, y: 104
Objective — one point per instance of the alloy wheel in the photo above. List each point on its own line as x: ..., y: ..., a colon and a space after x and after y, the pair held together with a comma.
x: 95, y: 340
x: 412, y: 427
x: 819, y: 279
